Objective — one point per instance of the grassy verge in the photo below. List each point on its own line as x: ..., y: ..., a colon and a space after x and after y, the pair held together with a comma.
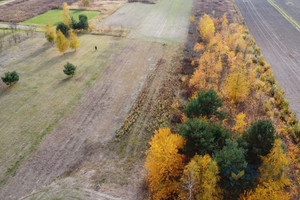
x: 53, y: 17
x: 44, y: 94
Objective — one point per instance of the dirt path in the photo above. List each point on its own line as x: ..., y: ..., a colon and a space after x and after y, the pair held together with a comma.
x: 17, y: 26
x: 280, y: 44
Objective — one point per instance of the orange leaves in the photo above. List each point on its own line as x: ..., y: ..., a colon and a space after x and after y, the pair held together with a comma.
x: 164, y: 163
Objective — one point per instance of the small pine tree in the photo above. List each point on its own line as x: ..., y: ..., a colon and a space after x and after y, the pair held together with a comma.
x: 61, y: 42
x: 69, y: 69
x: 50, y: 33
x: 10, y: 78
x: 74, y: 42
x: 63, y: 28
x: 206, y: 104
x: 260, y: 138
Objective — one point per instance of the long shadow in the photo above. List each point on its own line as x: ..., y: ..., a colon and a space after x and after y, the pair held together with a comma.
x: 54, y: 60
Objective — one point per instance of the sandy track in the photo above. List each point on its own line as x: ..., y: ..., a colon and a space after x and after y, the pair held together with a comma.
x: 280, y: 45
x: 97, y: 116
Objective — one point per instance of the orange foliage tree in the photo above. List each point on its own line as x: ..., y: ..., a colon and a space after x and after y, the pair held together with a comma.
x: 164, y: 164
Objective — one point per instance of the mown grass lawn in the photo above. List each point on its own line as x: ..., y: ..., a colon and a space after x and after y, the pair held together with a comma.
x: 53, y: 17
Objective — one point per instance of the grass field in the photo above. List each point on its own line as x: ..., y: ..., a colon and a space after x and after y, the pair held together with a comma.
x: 53, y: 17
x: 165, y: 21
x: 30, y: 109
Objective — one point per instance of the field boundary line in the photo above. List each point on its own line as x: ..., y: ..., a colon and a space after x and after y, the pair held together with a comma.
x: 292, y: 21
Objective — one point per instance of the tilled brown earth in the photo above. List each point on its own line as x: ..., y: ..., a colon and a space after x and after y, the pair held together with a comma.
x: 94, y: 120
x: 280, y: 45
x: 21, y: 10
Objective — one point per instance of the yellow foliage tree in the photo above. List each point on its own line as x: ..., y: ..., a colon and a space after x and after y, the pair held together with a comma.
x: 237, y: 86
x: 74, y: 42
x: 66, y: 15
x: 200, y: 179
x: 61, y: 42
x: 85, y: 2
x: 206, y: 28
x: 50, y: 33
x: 208, y: 72
x: 275, y: 166
x: 265, y: 191
x: 273, y: 176
x: 164, y: 164
x: 240, y: 123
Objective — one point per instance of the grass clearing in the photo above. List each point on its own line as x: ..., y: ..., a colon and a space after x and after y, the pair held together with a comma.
x: 53, y: 17
x: 32, y: 107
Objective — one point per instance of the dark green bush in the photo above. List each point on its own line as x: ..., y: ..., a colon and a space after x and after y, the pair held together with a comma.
x: 10, y: 78
x: 206, y: 104
x: 69, y: 69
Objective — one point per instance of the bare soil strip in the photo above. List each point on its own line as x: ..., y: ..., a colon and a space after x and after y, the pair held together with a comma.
x: 280, y: 45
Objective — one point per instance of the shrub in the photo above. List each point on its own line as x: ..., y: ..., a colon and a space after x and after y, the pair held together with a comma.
x: 63, y: 28
x: 69, y: 69
x: 259, y: 139
x: 206, y: 104
x: 82, y: 24
x: 202, y: 138
x: 10, y: 78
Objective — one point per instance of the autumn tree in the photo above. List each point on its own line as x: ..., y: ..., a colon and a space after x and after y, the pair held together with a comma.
x: 240, y: 123
x: 237, y: 86
x: 275, y: 166
x: 85, y: 2
x: 205, y: 104
x: 61, y: 42
x: 74, y: 42
x: 274, y: 178
x: 200, y: 180
x: 66, y: 15
x: 202, y: 137
x: 50, y: 33
x: 206, y: 28
x: 164, y: 163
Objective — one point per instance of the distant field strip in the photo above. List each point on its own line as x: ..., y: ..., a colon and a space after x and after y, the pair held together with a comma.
x: 285, y: 15
x: 165, y: 21
x: 53, y: 17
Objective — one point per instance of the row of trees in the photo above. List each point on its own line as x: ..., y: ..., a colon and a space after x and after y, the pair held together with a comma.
x: 65, y: 35
x: 207, y: 161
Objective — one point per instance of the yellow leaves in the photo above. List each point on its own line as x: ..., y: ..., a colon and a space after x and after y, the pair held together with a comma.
x: 206, y: 28
x: 61, y: 42
x: 66, y: 15
x: 237, y: 86
x: 265, y: 191
x: 240, y: 123
x: 198, y: 47
x: 50, y: 33
x: 164, y: 163
x: 74, y: 42
x: 276, y: 166
x: 200, y: 178
x: 192, y: 18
